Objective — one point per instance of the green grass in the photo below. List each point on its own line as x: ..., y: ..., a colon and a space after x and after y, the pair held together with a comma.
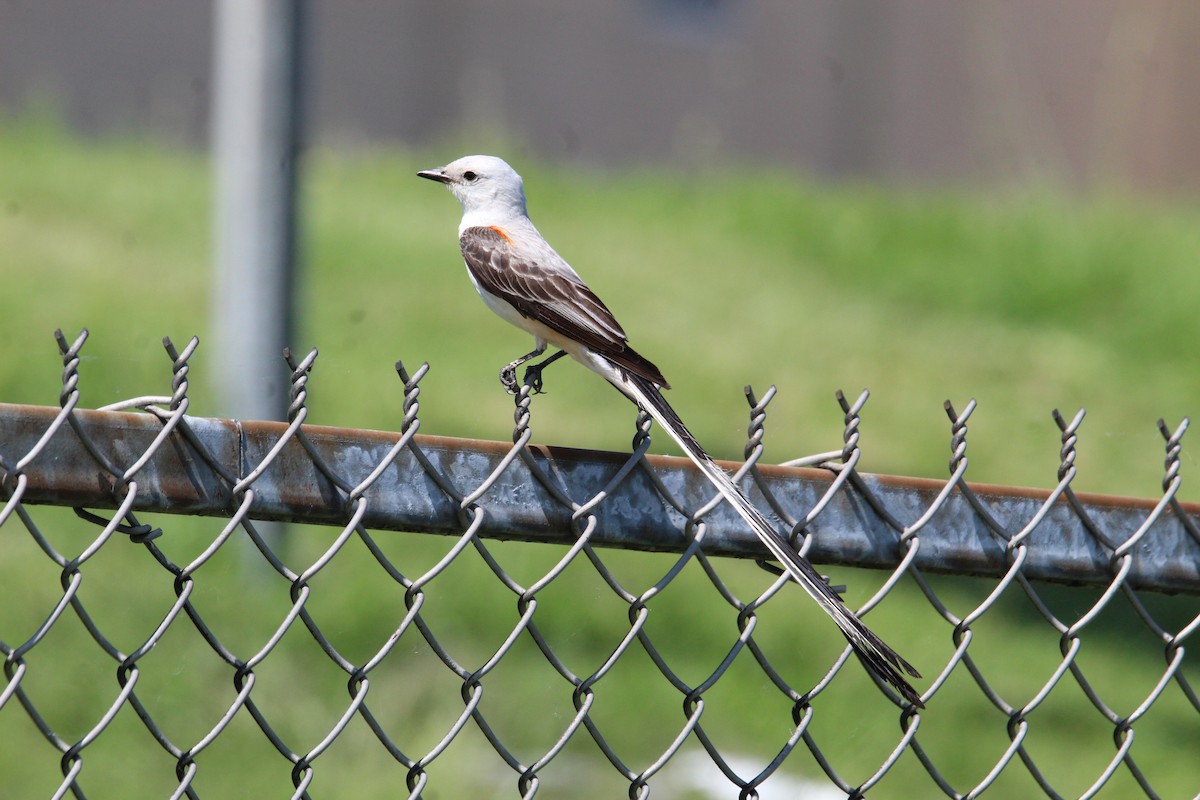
x: 1026, y: 300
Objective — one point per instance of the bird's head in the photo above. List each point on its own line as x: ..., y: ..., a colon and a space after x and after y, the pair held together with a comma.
x: 482, y: 184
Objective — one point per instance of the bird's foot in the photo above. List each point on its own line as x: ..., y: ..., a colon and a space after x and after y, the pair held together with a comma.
x: 533, y: 378
x: 508, y: 378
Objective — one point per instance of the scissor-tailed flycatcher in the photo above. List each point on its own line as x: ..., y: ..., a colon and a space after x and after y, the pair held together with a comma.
x: 521, y: 278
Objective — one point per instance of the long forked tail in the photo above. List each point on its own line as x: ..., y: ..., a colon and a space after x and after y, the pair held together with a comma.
x: 880, y: 659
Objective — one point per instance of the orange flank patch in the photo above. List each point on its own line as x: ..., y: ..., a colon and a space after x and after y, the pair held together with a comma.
x: 500, y: 231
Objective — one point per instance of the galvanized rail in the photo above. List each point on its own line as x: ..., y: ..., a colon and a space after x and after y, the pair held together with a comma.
x: 861, y: 521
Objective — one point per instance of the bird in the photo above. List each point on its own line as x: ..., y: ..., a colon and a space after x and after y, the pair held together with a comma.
x: 524, y: 281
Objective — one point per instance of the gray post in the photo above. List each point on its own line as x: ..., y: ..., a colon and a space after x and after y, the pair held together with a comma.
x: 256, y: 142
x: 256, y: 134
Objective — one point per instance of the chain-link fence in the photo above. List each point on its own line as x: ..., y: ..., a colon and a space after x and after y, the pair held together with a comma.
x: 573, y: 631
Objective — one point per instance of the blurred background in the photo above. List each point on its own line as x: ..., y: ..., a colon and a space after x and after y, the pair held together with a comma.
x: 1087, y: 94
x: 933, y: 200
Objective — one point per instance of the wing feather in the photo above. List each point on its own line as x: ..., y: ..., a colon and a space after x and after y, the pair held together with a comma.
x: 542, y: 287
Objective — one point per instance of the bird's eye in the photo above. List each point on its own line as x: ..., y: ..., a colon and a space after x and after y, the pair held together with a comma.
x: 470, y: 177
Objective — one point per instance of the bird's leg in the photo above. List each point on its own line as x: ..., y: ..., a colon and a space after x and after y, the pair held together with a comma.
x: 508, y: 375
x: 533, y: 373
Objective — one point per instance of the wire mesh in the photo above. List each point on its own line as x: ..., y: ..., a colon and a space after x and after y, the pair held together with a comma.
x: 347, y: 659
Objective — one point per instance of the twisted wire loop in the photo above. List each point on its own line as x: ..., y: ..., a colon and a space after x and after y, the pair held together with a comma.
x: 147, y: 454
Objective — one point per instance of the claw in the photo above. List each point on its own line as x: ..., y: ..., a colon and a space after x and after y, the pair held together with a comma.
x: 508, y: 379
x: 533, y: 373
x: 533, y: 379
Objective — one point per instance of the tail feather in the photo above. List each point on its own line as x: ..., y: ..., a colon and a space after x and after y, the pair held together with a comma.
x: 880, y: 659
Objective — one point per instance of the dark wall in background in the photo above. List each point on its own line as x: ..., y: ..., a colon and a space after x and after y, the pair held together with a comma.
x: 1092, y: 92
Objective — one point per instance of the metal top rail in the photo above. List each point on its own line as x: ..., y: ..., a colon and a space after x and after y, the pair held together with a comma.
x: 861, y: 526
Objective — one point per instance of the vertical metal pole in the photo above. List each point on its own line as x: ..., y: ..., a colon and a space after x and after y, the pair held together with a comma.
x: 257, y: 118
x: 256, y: 138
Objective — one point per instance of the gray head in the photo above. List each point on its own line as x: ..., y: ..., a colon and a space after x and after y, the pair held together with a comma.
x: 481, y: 183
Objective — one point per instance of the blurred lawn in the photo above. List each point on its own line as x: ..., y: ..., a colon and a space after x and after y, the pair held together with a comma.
x: 1024, y: 299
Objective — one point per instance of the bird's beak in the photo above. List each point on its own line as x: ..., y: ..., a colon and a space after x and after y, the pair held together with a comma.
x: 436, y: 174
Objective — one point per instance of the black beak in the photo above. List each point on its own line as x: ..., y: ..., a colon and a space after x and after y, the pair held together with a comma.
x: 435, y: 174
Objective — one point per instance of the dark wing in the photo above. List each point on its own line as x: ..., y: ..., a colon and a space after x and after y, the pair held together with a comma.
x: 541, y: 287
